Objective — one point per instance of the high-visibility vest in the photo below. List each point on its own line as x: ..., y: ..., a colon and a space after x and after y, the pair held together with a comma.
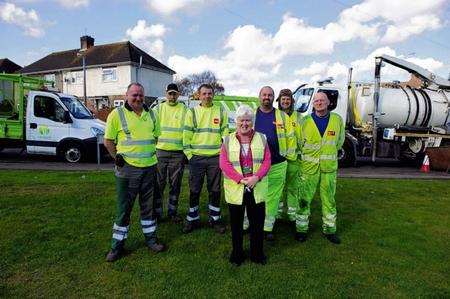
x: 137, y: 144
x: 296, y: 119
x: 285, y: 135
x: 204, y: 128
x: 171, y: 121
x: 234, y: 192
x: 320, y: 152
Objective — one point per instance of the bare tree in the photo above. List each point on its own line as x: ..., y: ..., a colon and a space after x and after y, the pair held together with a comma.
x: 188, y: 85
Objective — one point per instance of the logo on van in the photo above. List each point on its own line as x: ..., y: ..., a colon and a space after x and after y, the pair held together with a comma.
x: 43, y: 130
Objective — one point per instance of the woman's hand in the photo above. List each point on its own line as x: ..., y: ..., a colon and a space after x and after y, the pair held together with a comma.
x: 251, y: 181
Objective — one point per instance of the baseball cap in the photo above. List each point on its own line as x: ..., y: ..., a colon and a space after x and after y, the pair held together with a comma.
x: 172, y: 87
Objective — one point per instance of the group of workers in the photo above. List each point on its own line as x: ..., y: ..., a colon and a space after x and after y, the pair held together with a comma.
x: 272, y: 165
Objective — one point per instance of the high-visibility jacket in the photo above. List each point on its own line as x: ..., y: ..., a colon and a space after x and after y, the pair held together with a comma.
x: 320, y: 152
x: 234, y: 192
x: 296, y: 119
x: 134, y: 135
x: 204, y: 128
x: 285, y: 135
x: 171, y: 122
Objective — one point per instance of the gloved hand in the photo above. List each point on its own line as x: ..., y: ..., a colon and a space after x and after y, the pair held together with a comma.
x: 119, y: 161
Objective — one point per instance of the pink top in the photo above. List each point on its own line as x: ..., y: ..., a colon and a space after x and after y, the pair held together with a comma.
x: 246, y: 161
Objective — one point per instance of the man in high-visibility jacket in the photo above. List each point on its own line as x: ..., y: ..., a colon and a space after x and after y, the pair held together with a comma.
x: 130, y: 139
x: 275, y: 124
x: 292, y: 186
x: 204, y: 128
x: 169, y: 151
x: 322, y: 135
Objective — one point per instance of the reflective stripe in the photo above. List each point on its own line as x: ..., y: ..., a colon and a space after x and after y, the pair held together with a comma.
x: 213, y: 208
x: 138, y: 155
x: 302, y: 220
x: 290, y: 151
x: 120, y: 228
x: 204, y: 146
x: 188, y: 128
x: 215, y: 218
x: 281, y: 135
x: 119, y: 237
x: 328, y: 157
x: 310, y: 159
x: 148, y: 222
x: 150, y: 229
x: 329, y: 220
x: 193, y: 209
x: 138, y: 142
x: 259, y: 161
x: 189, y: 218
x: 171, y: 129
x: 171, y: 140
x: 207, y: 130
x: 123, y: 122
x: 172, y: 207
x: 269, y: 222
x: 329, y: 142
x: 311, y: 146
x: 236, y: 163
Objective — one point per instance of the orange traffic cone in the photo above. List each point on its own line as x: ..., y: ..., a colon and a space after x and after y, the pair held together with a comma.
x: 426, y: 164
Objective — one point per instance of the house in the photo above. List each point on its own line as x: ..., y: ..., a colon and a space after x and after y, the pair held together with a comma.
x: 8, y: 66
x: 109, y: 70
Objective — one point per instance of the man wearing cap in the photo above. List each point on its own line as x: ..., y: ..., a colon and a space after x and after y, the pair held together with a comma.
x: 322, y: 135
x: 130, y: 139
x: 169, y: 150
x: 275, y: 124
x: 204, y: 128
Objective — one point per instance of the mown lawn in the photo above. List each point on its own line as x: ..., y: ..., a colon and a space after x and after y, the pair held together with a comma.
x: 56, y: 229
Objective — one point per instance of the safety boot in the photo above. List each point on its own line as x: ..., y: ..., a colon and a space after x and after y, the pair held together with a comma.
x: 333, y: 238
x: 301, y: 236
x: 218, y: 226
x: 114, y: 255
x: 189, y: 226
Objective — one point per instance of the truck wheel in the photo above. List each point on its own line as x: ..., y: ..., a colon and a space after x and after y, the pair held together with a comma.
x: 72, y: 153
x: 346, y: 155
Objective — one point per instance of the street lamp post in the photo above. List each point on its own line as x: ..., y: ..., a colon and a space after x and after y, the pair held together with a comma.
x: 83, y: 59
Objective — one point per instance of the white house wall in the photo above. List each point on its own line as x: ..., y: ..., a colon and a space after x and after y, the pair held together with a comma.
x: 154, y: 82
x: 95, y: 87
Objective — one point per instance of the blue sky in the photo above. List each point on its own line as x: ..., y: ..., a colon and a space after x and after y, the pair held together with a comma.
x: 246, y: 43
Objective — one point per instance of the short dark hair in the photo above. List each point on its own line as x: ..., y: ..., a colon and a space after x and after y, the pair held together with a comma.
x: 135, y: 83
x: 205, y: 85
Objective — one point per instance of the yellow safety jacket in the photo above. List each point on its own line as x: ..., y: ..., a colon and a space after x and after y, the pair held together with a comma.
x: 320, y: 152
x: 134, y: 135
x: 296, y: 119
x: 203, y: 130
x: 234, y: 192
x: 285, y: 135
x: 171, y: 122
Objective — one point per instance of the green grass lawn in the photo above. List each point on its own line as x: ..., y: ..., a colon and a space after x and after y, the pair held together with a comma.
x: 56, y: 230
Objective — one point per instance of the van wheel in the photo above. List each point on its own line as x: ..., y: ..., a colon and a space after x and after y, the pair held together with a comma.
x: 346, y: 155
x: 72, y: 153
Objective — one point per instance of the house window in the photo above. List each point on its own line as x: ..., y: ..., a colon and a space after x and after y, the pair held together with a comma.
x: 76, y: 77
x: 50, y: 77
x: 109, y: 74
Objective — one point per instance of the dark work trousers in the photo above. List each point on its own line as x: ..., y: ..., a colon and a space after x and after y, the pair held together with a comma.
x: 256, y: 214
x: 132, y: 182
x: 170, y: 168
x: 199, y: 166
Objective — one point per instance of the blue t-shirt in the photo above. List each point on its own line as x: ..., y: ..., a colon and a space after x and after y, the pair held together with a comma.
x: 264, y: 123
x: 321, y: 122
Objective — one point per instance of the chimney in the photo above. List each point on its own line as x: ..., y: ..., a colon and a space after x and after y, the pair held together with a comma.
x: 86, y: 42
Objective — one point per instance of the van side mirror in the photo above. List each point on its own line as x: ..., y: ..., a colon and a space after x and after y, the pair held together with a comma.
x: 67, y: 118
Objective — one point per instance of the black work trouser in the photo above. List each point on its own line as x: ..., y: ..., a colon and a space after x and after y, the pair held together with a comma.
x: 170, y: 168
x: 256, y: 214
x: 199, y: 167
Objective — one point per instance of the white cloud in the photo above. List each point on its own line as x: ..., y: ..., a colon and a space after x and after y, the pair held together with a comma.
x: 168, y: 7
x: 73, y: 3
x: 148, y: 37
x: 29, y: 20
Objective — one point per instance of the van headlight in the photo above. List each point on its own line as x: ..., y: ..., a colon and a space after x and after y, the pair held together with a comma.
x: 96, y: 131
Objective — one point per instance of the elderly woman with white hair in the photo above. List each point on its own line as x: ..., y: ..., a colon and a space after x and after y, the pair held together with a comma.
x: 245, y: 161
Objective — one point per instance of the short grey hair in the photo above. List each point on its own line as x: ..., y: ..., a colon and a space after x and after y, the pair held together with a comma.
x: 245, y: 110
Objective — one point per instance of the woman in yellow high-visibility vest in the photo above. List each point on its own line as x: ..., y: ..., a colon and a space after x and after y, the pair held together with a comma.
x: 245, y: 161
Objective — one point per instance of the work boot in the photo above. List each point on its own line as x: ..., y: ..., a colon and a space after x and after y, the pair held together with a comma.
x: 157, y: 247
x: 218, y: 226
x: 114, y: 255
x: 189, y: 226
x: 269, y: 236
x: 260, y: 260
x: 333, y: 238
x: 175, y: 218
x: 237, y: 260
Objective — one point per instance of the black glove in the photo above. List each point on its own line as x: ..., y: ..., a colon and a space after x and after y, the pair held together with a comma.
x: 119, y: 161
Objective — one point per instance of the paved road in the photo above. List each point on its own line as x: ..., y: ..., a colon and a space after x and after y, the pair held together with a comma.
x: 385, y: 169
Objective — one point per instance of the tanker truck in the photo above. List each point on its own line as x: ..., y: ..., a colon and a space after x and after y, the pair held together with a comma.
x: 386, y: 120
